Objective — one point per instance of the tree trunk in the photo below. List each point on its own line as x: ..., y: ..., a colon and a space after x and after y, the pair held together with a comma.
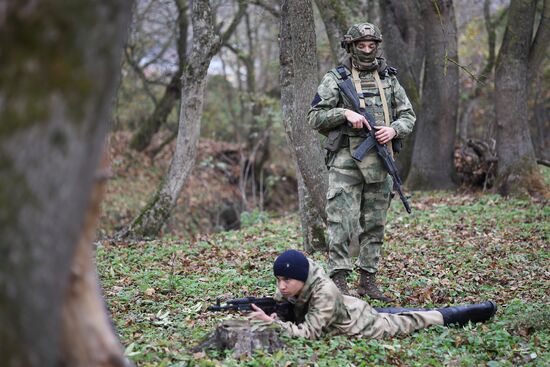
x: 298, y: 86
x: 58, y: 74
x: 88, y: 338
x: 403, y: 36
x: 336, y: 19
x: 432, y: 164
x: 518, y: 172
x: 148, y: 128
x: 539, y: 48
x: 313, y: 228
x: 205, y: 45
x: 300, y: 137
x: 142, y: 138
x: 539, y: 122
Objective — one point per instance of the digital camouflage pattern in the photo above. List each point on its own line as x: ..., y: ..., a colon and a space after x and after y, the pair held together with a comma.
x: 328, y: 111
x: 321, y: 309
x: 359, y: 192
x: 363, y: 31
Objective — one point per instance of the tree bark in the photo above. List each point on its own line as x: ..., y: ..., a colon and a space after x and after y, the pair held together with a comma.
x: 432, y: 165
x: 517, y: 172
x: 402, y: 29
x: 539, y: 122
x: 299, y: 78
x: 205, y: 45
x: 172, y: 93
x: 88, y: 338
x: 58, y: 74
x: 538, y: 51
x: 297, y: 83
x: 313, y: 227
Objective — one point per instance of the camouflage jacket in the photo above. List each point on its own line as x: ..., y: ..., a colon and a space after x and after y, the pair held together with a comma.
x: 321, y: 309
x: 327, y: 110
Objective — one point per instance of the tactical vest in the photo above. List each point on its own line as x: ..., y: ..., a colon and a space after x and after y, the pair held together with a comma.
x: 371, y: 95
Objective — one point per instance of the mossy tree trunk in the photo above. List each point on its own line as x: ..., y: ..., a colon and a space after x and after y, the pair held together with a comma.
x: 172, y: 93
x: 517, y: 172
x: 432, y: 164
x: 205, y: 44
x: 58, y: 72
x: 402, y: 29
x: 298, y: 86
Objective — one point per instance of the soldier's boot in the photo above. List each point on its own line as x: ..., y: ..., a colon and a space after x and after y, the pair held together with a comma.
x: 461, y: 315
x: 367, y: 286
x: 340, y: 279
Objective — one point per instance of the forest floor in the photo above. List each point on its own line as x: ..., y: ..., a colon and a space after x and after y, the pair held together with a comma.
x: 455, y: 248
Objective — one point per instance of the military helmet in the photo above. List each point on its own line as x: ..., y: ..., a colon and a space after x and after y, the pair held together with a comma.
x: 361, y: 32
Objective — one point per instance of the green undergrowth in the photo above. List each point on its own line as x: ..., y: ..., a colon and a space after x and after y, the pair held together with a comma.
x: 453, y: 249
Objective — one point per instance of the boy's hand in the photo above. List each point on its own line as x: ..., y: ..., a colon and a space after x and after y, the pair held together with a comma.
x: 259, y: 314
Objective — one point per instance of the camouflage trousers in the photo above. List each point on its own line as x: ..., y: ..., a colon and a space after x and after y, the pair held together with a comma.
x: 356, y: 205
x: 386, y: 325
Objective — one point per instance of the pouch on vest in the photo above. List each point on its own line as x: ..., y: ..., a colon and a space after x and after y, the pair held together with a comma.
x: 334, y: 140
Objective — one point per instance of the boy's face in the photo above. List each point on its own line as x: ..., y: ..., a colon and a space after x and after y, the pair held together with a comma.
x: 289, y: 287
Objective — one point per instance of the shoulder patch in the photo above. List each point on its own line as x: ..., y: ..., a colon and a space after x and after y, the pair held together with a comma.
x: 316, y: 100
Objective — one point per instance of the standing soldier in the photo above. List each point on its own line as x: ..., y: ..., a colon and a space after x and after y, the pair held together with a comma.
x: 359, y: 192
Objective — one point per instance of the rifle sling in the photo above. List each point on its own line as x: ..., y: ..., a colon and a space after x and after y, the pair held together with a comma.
x: 384, y: 105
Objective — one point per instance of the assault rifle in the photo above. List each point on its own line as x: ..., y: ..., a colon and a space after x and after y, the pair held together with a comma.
x: 346, y: 86
x: 284, y: 309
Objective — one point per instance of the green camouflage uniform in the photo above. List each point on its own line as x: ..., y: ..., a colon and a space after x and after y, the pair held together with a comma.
x: 359, y: 192
x: 321, y: 310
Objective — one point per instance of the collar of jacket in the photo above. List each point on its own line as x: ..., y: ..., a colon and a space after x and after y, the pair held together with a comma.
x: 314, y: 275
x: 382, y: 66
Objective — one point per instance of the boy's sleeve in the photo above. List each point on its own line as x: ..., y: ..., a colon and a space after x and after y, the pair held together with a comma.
x: 320, y: 313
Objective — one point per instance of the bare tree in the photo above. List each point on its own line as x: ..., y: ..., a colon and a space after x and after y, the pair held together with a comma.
x: 205, y: 44
x: 432, y: 164
x: 142, y: 137
x: 59, y: 69
x: 250, y: 128
x: 298, y: 85
x: 518, y: 172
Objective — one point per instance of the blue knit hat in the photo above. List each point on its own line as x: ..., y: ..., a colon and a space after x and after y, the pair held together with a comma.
x: 291, y: 264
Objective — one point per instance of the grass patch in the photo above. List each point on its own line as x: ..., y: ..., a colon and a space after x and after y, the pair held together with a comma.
x: 453, y: 249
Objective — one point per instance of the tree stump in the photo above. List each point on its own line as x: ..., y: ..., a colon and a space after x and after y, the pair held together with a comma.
x: 243, y: 337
